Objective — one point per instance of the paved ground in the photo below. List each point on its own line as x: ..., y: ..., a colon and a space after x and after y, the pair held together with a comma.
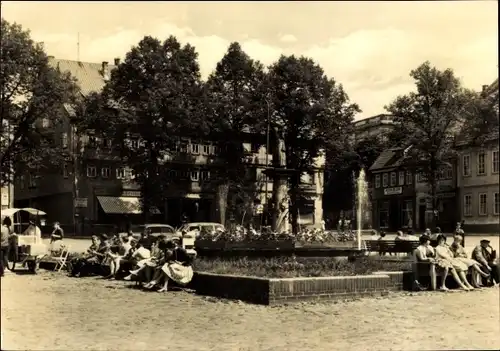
x: 50, y: 311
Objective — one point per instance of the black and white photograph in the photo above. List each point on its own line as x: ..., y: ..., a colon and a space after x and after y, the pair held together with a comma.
x: 249, y: 176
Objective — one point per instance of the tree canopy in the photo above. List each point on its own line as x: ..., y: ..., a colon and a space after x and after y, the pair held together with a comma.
x: 310, y: 113
x: 32, y: 98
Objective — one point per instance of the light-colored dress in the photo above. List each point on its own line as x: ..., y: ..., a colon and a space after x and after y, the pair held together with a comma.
x: 460, y: 254
x: 445, y: 259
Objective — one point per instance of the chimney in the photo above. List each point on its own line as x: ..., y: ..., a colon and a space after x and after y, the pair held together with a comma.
x: 117, y: 61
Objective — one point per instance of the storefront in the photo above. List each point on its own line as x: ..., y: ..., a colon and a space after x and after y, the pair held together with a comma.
x: 394, y: 210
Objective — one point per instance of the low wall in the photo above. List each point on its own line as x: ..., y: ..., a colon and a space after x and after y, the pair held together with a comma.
x: 275, y: 291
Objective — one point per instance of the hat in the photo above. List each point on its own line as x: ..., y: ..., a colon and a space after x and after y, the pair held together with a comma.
x: 103, y: 236
x: 485, y: 241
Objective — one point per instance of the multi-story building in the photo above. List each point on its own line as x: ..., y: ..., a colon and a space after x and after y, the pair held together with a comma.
x: 401, y: 198
x: 95, y: 188
x: 478, y: 179
x: 380, y: 125
x: 393, y: 192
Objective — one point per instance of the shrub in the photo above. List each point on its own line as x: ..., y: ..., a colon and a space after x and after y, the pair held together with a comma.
x: 290, y: 267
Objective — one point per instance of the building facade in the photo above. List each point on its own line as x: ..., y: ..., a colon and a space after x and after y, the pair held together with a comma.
x: 393, y: 192
x: 95, y: 191
x: 380, y: 125
x: 478, y: 183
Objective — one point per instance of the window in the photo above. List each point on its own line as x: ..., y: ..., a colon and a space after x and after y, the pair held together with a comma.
x: 120, y: 173
x: 184, y: 174
x: 183, y: 147
x: 45, y: 123
x: 466, y: 165
x: 64, y: 140
x: 496, y: 204
x: 483, y: 204
x: 481, y: 163
x: 494, y: 162
x: 32, y: 181
x: 206, y: 149
x: 106, y: 143
x: 195, y: 149
x: 401, y: 178
x: 409, y: 178
x: 65, y: 171
x: 134, y: 143
x: 91, y: 171
x: 377, y: 181
x: 205, y: 175
x: 92, y: 141
x: 393, y: 178
x: 21, y: 182
x: 467, y: 205
x: 172, y: 174
x: 105, y: 172
x: 385, y: 180
x: 195, y: 176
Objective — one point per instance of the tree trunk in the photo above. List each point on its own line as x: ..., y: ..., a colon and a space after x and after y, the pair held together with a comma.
x: 433, y: 184
x: 294, y: 206
x: 280, y: 188
x: 222, y: 194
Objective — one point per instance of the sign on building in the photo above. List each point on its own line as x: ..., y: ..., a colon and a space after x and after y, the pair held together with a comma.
x: 393, y: 191
x: 81, y: 202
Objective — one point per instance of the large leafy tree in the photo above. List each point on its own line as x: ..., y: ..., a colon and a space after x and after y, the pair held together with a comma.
x: 428, y: 120
x: 234, y: 103
x: 357, y: 155
x: 32, y: 98
x: 151, y: 98
x: 310, y: 114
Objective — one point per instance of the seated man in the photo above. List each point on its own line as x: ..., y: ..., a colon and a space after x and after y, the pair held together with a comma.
x: 116, y: 258
x: 486, y: 256
x: 76, y: 265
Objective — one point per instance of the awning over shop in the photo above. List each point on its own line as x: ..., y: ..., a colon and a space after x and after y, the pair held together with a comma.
x: 122, y: 205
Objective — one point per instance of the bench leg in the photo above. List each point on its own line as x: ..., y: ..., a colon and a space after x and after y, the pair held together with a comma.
x: 432, y: 274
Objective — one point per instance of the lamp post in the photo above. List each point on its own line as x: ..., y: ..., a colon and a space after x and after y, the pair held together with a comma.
x: 267, y: 146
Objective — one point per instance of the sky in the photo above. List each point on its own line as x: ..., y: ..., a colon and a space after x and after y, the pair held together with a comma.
x: 368, y: 47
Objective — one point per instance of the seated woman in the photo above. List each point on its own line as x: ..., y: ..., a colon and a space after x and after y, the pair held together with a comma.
x: 459, y: 253
x: 424, y: 254
x: 147, y: 265
x: 444, y: 258
x: 177, y: 267
x: 116, y: 258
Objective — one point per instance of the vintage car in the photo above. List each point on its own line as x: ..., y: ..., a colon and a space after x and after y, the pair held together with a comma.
x: 155, y: 230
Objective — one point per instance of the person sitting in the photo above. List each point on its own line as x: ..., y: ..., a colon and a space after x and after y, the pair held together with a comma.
x: 400, y: 235
x: 459, y: 253
x: 116, y: 258
x: 57, y: 233
x: 146, y: 240
x: 77, y: 265
x: 486, y: 256
x: 423, y: 254
x: 130, y: 236
x: 382, y: 245
x: 147, y: 266
x: 374, y: 235
x: 177, y: 267
x: 444, y: 258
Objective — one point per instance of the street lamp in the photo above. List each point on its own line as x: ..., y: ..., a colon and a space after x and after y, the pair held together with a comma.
x: 267, y: 146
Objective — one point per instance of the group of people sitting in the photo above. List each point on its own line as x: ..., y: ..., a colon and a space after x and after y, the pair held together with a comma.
x: 444, y: 260
x: 149, y: 261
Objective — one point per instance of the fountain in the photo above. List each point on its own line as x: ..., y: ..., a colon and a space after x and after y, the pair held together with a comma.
x: 361, y: 202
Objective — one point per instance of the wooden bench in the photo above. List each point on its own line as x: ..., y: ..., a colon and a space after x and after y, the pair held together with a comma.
x: 391, y: 246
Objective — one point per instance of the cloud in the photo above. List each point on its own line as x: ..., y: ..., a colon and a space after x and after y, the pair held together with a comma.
x: 288, y: 38
x: 373, y: 65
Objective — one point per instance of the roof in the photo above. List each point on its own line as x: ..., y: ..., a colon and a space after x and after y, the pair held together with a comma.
x: 88, y: 75
x: 389, y: 158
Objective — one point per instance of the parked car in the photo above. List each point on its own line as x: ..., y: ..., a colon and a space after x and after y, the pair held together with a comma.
x: 155, y: 230
x: 196, y: 228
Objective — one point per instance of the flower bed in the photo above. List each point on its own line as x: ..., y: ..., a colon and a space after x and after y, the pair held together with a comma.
x: 290, y: 267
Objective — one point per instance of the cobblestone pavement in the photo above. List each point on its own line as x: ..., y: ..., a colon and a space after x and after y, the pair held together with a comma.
x: 50, y: 311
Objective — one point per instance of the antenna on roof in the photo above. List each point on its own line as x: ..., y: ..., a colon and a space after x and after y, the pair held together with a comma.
x: 78, y: 48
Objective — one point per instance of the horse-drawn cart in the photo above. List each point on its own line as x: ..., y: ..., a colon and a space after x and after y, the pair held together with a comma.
x: 25, y: 243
